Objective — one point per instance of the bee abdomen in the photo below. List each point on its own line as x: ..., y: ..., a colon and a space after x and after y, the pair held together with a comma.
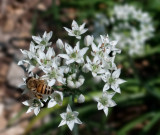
x: 48, y: 90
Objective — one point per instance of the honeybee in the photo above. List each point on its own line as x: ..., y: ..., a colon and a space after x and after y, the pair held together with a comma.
x: 38, y: 87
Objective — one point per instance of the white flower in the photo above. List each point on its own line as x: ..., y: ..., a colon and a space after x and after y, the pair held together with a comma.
x: 105, y: 101
x: 74, y: 55
x: 30, y: 57
x: 94, y: 66
x: 69, y: 118
x: 44, y: 40
x: 45, y: 60
x: 60, y: 44
x: 88, y: 40
x: 81, y: 99
x: 73, y: 83
x: 54, y: 74
x: 111, y: 45
x: 76, y: 31
x: 34, y: 104
x: 112, y: 80
x: 56, y: 98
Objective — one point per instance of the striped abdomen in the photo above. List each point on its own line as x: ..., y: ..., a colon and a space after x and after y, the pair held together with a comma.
x: 44, y: 89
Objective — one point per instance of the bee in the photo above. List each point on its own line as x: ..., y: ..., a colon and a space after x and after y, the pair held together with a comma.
x: 38, y: 87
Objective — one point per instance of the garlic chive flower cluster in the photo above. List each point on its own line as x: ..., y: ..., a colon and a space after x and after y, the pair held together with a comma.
x: 130, y: 26
x: 64, y: 72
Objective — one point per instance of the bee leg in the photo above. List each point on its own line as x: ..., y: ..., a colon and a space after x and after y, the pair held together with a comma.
x: 39, y: 96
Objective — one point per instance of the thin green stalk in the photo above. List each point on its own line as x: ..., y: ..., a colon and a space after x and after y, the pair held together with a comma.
x: 75, y: 129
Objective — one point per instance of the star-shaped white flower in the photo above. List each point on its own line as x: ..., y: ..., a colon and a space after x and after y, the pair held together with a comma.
x: 111, y: 45
x: 74, y: 55
x: 30, y: 57
x: 34, y: 104
x: 44, y: 40
x: 56, y: 98
x: 112, y: 80
x: 54, y: 73
x: 105, y: 101
x: 94, y: 66
x: 45, y: 60
x: 69, y: 118
x: 76, y: 30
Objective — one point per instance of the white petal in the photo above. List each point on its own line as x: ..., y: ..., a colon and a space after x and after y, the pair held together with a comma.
x: 41, y: 54
x: 94, y: 48
x: 82, y: 26
x: 120, y: 81
x: 51, y: 103
x: 68, y: 30
x: 37, y: 39
x: 26, y: 103
x: 94, y: 74
x: 74, y: 25
x: 116, y: 73
x: 106, y: 111
x: 50, y: 53
x: 29, y: 110
x: 70, y: 124
x: 113, y: 43
x: 63, y: 122
x: 51, y: 82
x: 78, y: 121
x: 36, y: 110
x: 65, y: 56
x: 49, y: 35
x: 83, y: 31
x: 32, y: 47
x: 111, y: 103
x: 70, y: 61
x: 69, y: 108
x: 68, y: 48
x: 118, y: 90
x: 63, y: 115
x: 106, y: 87
x: 20, y: 63
x: 76, y: 113
x: 100, y: 106
x: 83, y: 51
x: 76, y: 48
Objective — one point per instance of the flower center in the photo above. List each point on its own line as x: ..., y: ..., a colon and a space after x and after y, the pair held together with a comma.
x: 111, y: 80
x: 103, y: 101
x: 33, y: 62
x: 36, y: 103
x: 77, y: 32
x: 70, y: 116
x: 43, y: 42
x: 73, y: 55
x: 53, y: 74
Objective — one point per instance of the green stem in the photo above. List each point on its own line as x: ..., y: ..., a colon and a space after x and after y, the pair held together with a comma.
x: 75, y: 129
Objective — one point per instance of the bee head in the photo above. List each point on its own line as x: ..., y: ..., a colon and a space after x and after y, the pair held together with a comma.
x: 31, y: 83
x: 28, y: 79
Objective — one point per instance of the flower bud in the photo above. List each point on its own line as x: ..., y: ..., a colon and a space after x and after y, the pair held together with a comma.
x: 81, y: 99
x: 60, y: 44
x: 88, y: 40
